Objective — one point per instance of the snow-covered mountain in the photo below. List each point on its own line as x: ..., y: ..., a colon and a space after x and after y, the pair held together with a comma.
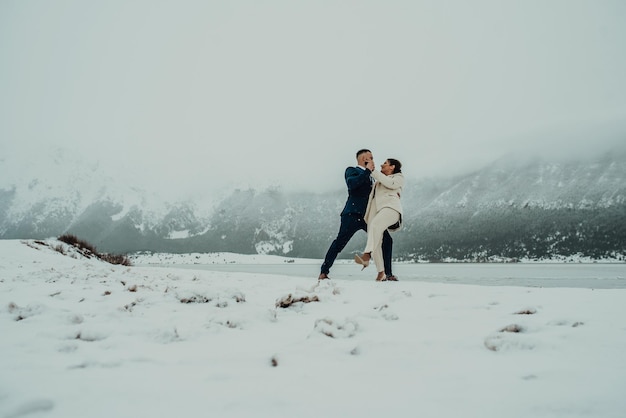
x: 45, y: 197
x: 522, y: 208
x: 511, y: 208
x: 536, y: 183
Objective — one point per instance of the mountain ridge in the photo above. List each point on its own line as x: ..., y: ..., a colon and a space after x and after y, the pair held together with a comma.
x: 510, y: 208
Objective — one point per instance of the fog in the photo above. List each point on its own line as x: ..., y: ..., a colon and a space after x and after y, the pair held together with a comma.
x: 181, y: 95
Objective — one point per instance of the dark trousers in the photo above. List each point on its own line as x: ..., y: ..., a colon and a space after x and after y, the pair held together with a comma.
x: 350, y: 224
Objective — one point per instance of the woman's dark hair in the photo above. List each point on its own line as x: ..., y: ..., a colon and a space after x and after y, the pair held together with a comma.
x: 397, y: 165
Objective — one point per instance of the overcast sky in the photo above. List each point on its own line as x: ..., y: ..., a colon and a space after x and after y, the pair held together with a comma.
x: 215, y: 93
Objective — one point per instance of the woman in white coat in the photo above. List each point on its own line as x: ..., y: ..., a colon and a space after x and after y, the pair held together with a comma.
x: 384, y: 211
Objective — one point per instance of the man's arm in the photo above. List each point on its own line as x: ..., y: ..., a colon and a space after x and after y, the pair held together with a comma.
x: 356, y: 177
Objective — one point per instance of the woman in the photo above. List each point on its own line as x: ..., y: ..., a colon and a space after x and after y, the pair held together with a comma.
x: 384, y: 211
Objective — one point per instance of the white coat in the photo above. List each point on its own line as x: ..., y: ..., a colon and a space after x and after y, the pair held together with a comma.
x: 385, y: 194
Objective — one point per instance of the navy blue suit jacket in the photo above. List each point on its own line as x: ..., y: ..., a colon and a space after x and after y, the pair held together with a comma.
x: 359, y: 187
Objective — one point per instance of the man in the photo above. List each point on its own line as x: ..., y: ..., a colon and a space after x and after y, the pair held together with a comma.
x: 359, y: 185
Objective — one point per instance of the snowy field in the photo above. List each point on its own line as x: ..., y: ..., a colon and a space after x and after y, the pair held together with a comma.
x: 82, y: 338
x: 578, y: 273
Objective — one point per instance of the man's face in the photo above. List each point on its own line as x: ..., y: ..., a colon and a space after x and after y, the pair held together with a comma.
x: 365, y: 157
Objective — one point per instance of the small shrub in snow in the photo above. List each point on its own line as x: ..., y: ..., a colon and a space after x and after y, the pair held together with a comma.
x: 529, y: 311
x: 88, y: 250
x: 290, y: 299
x: 513, y: 328
x: 121, y: 260
x: 196, y: 299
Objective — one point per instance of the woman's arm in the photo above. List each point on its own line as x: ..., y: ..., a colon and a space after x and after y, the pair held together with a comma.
x: 395, y: 181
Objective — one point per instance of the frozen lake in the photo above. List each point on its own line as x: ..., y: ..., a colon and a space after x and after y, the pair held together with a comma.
x: 578, y: 275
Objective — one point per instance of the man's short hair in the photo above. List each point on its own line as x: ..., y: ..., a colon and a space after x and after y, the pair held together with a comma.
x: 361, y: 151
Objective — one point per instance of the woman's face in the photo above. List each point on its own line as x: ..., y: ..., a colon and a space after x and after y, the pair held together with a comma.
x: 386, y: 168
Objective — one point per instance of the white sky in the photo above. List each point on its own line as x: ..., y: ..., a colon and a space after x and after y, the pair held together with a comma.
x: 215, y: 93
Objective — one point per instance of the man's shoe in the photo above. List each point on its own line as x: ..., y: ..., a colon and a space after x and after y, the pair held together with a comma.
x: 323, y: 276
x: 391, y: 278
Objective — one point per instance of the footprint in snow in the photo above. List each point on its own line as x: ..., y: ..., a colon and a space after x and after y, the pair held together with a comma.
x: 508, y: 338
x: 386, y: 313
x: 566, y: 323
x: 336, y: 329
x: 23, y: 313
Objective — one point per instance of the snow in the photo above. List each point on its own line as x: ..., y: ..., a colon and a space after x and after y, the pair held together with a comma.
x: 179, y: 234
x: 80, y: 337
x: 214, y: 258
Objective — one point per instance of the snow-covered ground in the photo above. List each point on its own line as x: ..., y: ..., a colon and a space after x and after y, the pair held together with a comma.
x: 214, y: 258
x: 581, y: 274
x: 231, y: 258
x: 82, y: 338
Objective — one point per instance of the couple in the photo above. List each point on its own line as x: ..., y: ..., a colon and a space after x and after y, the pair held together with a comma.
x: 374, y: 208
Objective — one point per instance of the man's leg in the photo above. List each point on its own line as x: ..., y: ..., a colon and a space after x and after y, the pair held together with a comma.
x: 347, y: 229
x: 387, y: 251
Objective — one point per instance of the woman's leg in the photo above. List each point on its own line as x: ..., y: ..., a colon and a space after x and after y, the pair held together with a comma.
x: 375, y: 230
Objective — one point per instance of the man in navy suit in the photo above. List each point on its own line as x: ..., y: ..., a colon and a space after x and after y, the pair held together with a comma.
x: 359, y: 185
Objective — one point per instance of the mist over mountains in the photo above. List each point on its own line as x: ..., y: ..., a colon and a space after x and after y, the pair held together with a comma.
x: 513, y: 208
